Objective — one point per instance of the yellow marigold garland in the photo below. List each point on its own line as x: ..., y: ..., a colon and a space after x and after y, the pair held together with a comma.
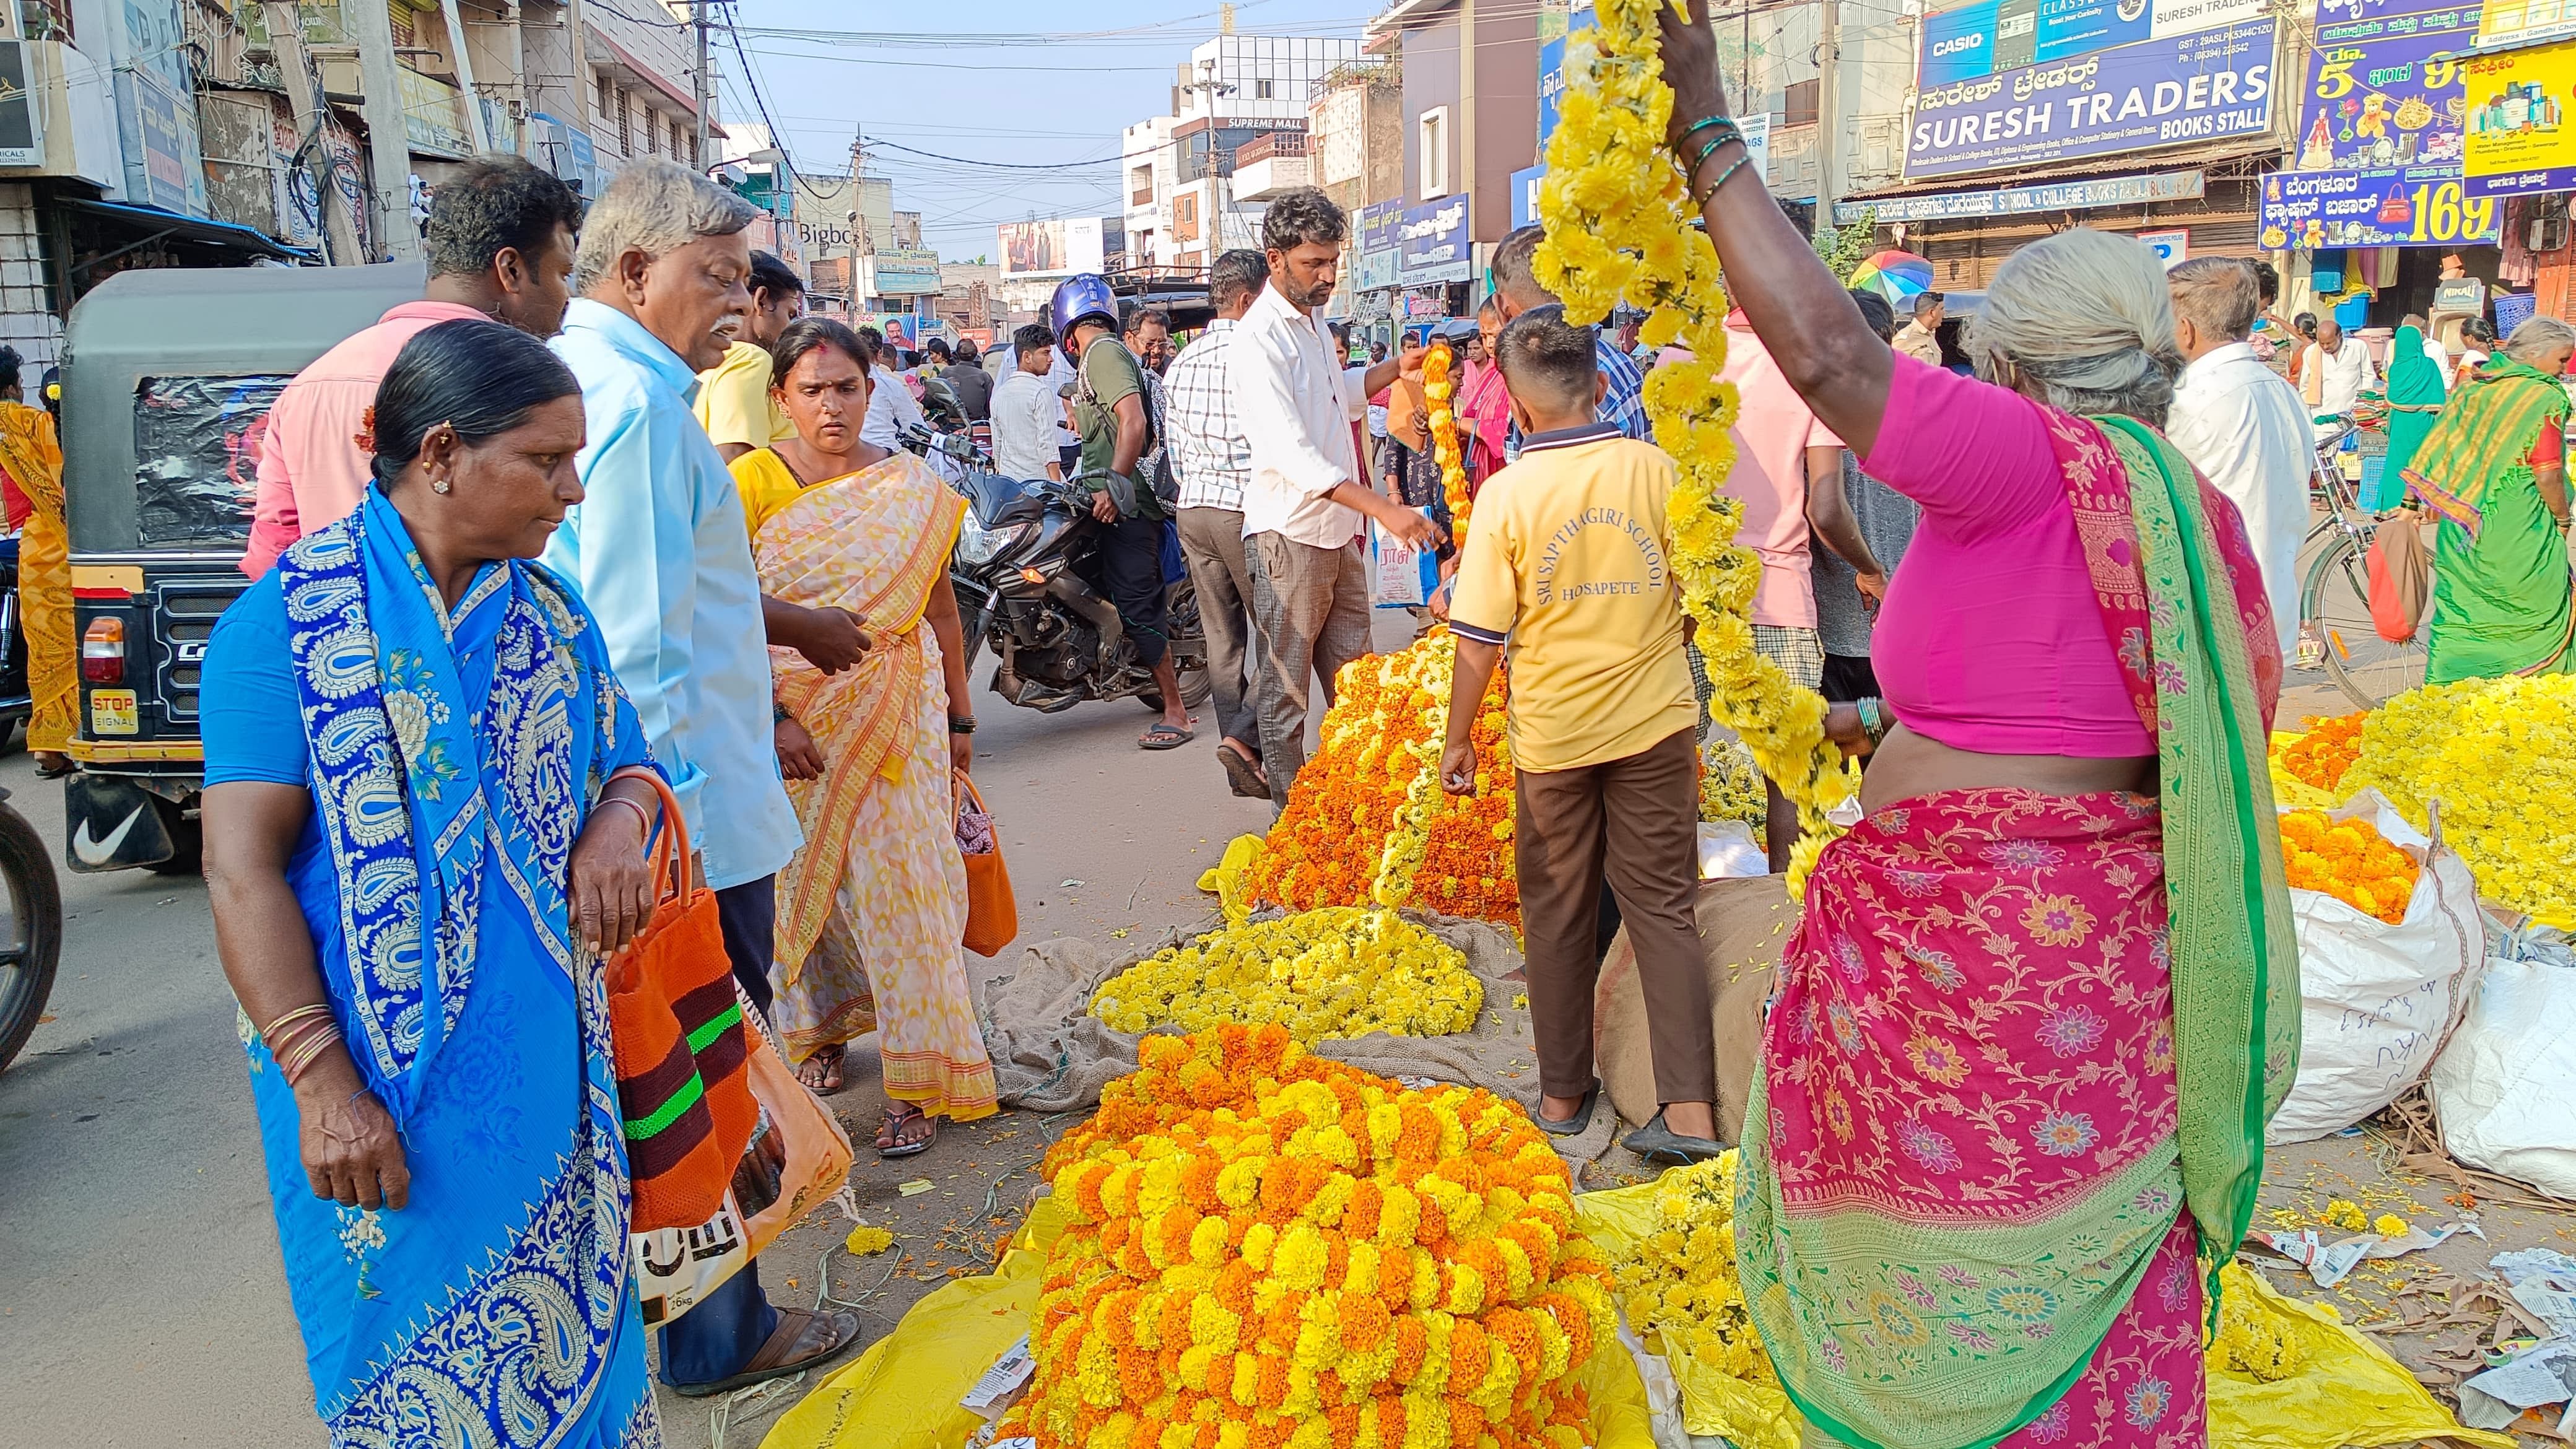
x: 1619, y: 224
x: 2495, y: 753
x: 1730, y: 784
x: 1341, y: 971
x: 1440, y: 385
x: 1272, y: 1251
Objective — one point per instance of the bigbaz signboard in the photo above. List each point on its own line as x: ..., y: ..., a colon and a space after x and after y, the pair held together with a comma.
x: 2186, y: 89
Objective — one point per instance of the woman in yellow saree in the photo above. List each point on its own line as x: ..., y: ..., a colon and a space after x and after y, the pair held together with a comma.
x: 872, y: 909
x: 33, y: 461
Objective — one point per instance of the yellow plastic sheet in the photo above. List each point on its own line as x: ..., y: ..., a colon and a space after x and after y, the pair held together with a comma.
x: 1751, y: 1415
x: 1230, y: 881
x: 2289, y: 790
x: 2347, y: 1391
x: 902, y: 1392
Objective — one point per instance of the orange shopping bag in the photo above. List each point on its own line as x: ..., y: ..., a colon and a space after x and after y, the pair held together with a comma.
x: 992, y: 912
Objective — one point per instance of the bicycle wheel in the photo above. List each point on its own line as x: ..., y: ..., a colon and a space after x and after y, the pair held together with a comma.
x: 2336, y: 598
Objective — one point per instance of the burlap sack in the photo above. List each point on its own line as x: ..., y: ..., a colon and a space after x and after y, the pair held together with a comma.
x: 1744, y: 925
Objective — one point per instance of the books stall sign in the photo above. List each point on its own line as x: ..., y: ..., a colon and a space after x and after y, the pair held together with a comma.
x: 2395, y: 206
x: 2381, y: 91
x: 2520, y: 136
x: 2206, y: 86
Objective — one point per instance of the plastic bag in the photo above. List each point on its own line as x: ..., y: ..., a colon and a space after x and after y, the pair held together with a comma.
x: 1405, y: 575
x: 1230, y: 879
x: 904, y: 1391
x: 2378, y: 1001
x: 2505, y: 1088
x: 2346, y: 1389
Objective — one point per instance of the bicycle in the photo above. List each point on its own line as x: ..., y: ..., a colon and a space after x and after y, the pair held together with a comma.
x: 2335, y: 626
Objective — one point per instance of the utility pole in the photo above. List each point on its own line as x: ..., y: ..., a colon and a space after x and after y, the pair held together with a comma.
x: 371, y: 29
x: 1829, y: 66
x: 475, y: 129
x: 1464, y: 184
x: 340, y: 244
x: 698, y: 148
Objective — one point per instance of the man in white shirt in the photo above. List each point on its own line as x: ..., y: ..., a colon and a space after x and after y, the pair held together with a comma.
x: 891, y: 407
x: 1027, y: 414
x: 1306, y: 496
x: 2334, y: 372
x: 2240, y: 423
x: 1207, y: 453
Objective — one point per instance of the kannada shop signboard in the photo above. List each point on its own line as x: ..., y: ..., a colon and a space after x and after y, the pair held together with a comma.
x: 2410, y: 206
x: 1993, y: 36
x: 1378, y: 256
x: 2520, y: 136
x: 2379, y: 93
x: 1435, y: 244
x: 2206, y: 86
x: 2525, y: 22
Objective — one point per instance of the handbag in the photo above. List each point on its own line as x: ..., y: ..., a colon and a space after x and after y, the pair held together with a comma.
x: 992, y: 912
x: 795, y: 1165
x: 2401, y: 578
x: 675, y: 1027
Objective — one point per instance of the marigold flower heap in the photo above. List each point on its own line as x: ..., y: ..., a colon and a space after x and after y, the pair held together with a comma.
x: 2495, y: 753
x: 1341, y: 971
x: 1377, y: 775
x: 2251, y: 1339
x: 1272, y: 1251
x: 2349, y: 861
x: 1730, y: 784
x: 2322, y: 755
x: 1619, y: 224
x: 1681, y: 1295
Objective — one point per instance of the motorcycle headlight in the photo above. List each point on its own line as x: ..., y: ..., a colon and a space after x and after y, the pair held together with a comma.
x: 978, y: 545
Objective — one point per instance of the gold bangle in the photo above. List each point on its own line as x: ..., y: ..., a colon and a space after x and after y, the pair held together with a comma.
x: 271, y: 1033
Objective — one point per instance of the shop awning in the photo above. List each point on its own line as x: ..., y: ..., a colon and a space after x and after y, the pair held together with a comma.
x: 155, y: 225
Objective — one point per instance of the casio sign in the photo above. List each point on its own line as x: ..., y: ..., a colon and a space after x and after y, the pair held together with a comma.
x: 1974, y: 40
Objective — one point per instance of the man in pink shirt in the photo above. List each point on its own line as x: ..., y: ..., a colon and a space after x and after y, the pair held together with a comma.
x: 1779, y: 447
x: 500, y: 248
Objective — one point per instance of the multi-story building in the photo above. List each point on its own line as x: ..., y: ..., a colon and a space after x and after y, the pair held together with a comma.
x: 1197, y: 181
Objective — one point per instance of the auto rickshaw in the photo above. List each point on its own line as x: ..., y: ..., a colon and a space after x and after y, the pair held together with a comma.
x: 168, y: 376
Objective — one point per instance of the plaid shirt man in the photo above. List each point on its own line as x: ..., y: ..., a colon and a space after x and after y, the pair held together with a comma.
x: 1207, y: 444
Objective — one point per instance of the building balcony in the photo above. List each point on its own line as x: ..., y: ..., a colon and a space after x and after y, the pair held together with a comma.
x: 1270, y: 144
x: 1271, y: 172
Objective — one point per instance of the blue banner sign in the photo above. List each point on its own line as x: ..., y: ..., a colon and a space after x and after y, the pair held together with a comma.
x: 1525, y: 195
x: 1989, y: 37
x: 2019, y: 200
x: 2188, y: 89
x: 1435, y: 243
x: 2408, y: 206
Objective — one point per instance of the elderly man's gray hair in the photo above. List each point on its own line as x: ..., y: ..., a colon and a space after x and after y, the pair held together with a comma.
x: 2538, y: 337
x: 654, y: 207
x: 2217, y: 294
x: 2086, y: 315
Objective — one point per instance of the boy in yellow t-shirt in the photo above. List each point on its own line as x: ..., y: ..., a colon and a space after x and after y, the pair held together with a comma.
x: 733, y: 403
x: 1568, y: 559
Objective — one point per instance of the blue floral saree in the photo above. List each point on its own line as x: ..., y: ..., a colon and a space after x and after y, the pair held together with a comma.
x: 452, y: 756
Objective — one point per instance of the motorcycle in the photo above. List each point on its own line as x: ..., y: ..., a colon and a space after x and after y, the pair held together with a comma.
x: 33, y: 940
x: 1026, y: 572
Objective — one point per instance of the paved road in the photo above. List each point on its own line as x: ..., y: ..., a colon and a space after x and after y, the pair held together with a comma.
x: 143, y: 1303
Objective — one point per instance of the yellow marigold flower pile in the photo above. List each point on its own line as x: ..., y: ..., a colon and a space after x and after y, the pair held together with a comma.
x: 1440, y: 386
x: 2349, y: 861
x: 1272, y: 1251
x: 1730, y: 784
x: 2322, y: 755
x: 2252, y: 1339
x: 1377, y: 773
x: 2495, y: 753
x: 1680, y: 1294
x: 2345, y: 1213
x: 1341, y: 971
x: 1619, y: 225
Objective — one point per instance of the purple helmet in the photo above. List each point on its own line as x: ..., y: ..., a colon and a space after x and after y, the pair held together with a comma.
x: 1080, y: 298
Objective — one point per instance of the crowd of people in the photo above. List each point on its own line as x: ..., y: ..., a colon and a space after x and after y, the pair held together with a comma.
x: 605, y: 515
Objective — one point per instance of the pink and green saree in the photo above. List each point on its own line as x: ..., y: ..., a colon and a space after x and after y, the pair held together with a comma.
x: 2016, y: 1078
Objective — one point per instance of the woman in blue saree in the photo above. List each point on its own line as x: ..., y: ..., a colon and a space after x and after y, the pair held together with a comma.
x: 413, y: 738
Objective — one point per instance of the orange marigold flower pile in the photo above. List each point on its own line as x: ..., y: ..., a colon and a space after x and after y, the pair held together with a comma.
x: 2320, y: 756
x: 2349, y: 861
x: 1330, y: 845
x: 1269, y: 1250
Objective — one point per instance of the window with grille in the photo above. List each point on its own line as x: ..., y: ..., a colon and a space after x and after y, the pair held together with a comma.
x: 625, y: 124
x: 1263, y: 90
x: 607, y: 100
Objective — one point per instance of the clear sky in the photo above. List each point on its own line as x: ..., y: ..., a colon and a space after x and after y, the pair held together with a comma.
x: 1034, y: 84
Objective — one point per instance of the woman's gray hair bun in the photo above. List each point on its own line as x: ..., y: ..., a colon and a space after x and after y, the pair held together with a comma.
x: 2087, y: 314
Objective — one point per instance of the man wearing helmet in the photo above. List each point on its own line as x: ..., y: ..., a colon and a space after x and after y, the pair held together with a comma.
x: 1117, y: 429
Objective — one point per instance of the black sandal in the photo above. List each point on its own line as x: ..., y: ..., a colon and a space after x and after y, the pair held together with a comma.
x: 1243, y: 774
x: 801, y: 1340
x: 891, y: 1143
x: 1658, y: 1143
x: 1580, y: 1122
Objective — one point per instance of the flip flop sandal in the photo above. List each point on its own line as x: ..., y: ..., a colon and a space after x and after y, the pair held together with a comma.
x: 1243, y: 775
x: 1658, y: 1143
x: 830, y: 1059
x: 1579, y: 1123
x: 800, y: 1341
x: 892, y: 1131
x: 1165, y: 737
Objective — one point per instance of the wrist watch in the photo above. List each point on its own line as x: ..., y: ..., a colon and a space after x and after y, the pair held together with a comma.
x: 778, y: 713
x: 961, y: 724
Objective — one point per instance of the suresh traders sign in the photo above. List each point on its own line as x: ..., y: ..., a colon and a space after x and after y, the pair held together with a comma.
x: 2200, y: 87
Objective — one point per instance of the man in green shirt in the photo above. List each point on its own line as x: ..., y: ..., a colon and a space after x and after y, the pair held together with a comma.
x: 1117, y: 430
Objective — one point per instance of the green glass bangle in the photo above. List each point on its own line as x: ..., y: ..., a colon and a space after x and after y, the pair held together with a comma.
x: 1710, y: 150
x: 1703, y: 198
x: 1726, y: 125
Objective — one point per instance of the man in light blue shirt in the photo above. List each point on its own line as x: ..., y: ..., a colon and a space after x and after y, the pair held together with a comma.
x: 662, y: 554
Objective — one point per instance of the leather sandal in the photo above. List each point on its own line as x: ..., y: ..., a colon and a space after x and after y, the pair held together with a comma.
x: 1660, y: 1144
x: 800, y: 1341
x: 1580, y: 1122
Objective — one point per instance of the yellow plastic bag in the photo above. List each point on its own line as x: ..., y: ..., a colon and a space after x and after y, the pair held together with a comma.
x: 902, y: 1392
x: 2347, y: 1390
x: 1753, y: 1415
x: 1230, y: 881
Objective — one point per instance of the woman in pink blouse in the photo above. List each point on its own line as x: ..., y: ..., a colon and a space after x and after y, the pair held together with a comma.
x: 2044, y: 997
